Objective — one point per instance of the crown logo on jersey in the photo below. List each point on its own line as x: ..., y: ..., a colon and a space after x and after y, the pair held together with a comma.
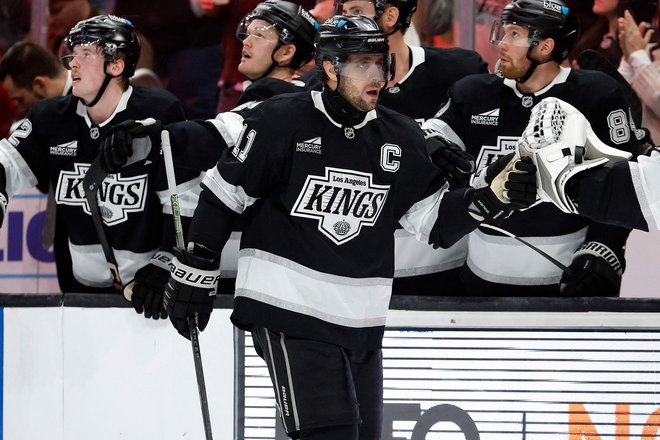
x: 118, y: 196
x: 342, y: 201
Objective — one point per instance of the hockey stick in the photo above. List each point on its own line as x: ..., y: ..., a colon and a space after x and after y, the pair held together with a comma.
x: 92, y: 182
x: 553, y: 260
x: 192, y: 323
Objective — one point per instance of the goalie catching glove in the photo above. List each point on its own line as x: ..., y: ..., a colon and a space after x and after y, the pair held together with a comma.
x: 561, y: 143
x: 128, y: 142
x: 595, y: 271
x: 507, y: 184
x: 191, y: 290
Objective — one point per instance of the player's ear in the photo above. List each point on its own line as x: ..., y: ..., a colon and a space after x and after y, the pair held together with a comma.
x: 546, y: 47
x: 329, y: 69
x: 389, y: 18
x: 116, y: 67
x: 285, y: 54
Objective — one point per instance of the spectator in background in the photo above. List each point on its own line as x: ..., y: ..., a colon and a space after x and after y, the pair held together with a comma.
x: 29, y: 73
x: 640, y: 65
x: 187, y: 55
x: 14, y: 22
x: 603, y: 35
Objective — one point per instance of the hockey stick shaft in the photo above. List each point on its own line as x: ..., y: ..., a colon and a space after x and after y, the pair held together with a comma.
x: 553, y: 260
x: 192, y: 324
x: 91, y: 183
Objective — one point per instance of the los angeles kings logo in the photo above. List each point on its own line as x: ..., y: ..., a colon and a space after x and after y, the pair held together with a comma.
x: 118, y: 196
x: 343, y: 201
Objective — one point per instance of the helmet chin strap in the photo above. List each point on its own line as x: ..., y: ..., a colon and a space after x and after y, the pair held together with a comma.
x: 532, y: 68
x: 106, y: 82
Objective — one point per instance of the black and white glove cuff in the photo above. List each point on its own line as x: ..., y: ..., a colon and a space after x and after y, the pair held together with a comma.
x: 192, y: 276
x: 163, y: 260
x: 600, y: 250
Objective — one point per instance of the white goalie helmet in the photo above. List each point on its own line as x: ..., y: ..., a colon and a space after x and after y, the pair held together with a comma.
x: 562, y: 143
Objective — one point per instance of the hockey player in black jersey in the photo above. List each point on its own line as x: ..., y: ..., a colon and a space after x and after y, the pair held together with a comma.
x: 278, y: 38
x: 488, y: 113
x: 326, y: 176
x: 60, y: 138
x: 418, y: 89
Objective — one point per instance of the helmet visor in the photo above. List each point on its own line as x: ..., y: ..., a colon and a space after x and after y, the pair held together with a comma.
x: 257, y: 29
x: 510, y: 33
x: 83, y: 49
x: 371, y: 67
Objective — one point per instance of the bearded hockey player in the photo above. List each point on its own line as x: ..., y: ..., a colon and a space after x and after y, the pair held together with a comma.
x: 487, y: 114
x: 61, y: 137
x: 325, y: 177
x: 418, y: 89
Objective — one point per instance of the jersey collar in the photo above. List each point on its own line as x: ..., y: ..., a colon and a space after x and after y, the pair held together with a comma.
x: 318, y: 103
x: 559, y: 79
x: 81, y: 110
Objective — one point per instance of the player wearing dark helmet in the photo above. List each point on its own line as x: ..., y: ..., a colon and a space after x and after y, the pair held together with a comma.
x: 278, y: 37
x: 325, y: 177
x: 112, y: 38
x: 418, y: 89
x: 60, y: 138
x: 487, y: 114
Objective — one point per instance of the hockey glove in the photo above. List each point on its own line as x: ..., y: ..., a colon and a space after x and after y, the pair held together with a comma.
x: 145, y: 292
x: 456, y: 164
x: 595, y: 271
x: 562, y: 143
x: 191, y: 290
x: 117, y: 147
x: 505, y: 185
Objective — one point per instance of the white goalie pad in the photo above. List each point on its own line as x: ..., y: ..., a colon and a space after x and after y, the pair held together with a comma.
x: 561, y: 143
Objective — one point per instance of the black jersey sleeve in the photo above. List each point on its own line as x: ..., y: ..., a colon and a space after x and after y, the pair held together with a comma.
x: 608, y: 195
x: 21, y: 155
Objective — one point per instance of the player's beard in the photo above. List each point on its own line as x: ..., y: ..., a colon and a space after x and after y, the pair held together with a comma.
x: 353, y: 95
x: 513, y: 70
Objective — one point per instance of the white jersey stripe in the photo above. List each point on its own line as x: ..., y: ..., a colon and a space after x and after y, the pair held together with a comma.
x: 282, y: 283
x: 495, y: 258
x: 233, y: 196
x: 412, y: 257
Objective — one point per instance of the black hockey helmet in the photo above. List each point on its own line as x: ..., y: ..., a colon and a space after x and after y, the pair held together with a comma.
x: 341, y: 36
x: 112, y: 34
x: 406, y: 10
x: 545, y: 19
x: 293, y: 22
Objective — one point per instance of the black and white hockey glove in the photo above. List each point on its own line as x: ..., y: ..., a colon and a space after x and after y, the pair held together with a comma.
x: 191, y: 290
x: 145, y: 291
x: 595, y: 271
x: 456, y: 164
x: 507, y: 184
x: 117, y: 148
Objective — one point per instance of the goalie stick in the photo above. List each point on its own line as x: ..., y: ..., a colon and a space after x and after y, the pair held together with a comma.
x: 92, y: 182
x: 166, y: 148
